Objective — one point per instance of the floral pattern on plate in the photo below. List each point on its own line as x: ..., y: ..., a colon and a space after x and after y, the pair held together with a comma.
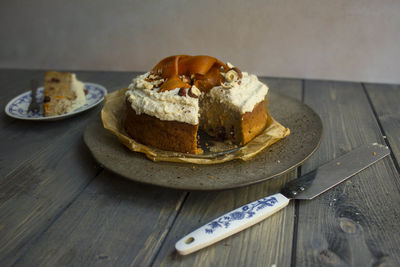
x: 18, y: 107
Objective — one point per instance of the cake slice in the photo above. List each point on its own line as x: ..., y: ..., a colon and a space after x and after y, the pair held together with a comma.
x: 63, y: 93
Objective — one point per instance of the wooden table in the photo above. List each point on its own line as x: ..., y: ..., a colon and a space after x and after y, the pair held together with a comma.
x: 58, y: 207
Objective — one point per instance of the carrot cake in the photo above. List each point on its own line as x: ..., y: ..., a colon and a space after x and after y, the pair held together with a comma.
x: 63, y: 93
x: 168, y: 105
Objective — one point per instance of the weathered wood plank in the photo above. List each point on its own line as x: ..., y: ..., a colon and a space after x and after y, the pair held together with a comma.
x: 39, y: 187
x: 114, y: 222
x: 354, y: 224
x: 28, y: 138
x: 267, y: 243
x: 385, y: 101
x: 44, y: 165
x: 35, y: 193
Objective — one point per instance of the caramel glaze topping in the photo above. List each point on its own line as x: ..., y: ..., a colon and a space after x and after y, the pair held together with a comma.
x: 183, y: 71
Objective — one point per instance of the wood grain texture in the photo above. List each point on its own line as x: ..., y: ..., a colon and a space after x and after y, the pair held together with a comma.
x: 59, y: 167
x: 19, y: 137
x: 114, y: 222
x: 264, y: 244
x: 385, y: 100
x: 267, y: 243
x: 35, y: 193
x: 354, y: 224
x: 57, y: 207
x: 43, y: 167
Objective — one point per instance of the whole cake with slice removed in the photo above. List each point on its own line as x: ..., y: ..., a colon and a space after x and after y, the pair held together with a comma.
x: 63, y: 93
x: 167, y: 106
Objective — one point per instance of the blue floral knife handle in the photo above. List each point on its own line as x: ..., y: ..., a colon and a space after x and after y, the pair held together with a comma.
x: 231, y: 223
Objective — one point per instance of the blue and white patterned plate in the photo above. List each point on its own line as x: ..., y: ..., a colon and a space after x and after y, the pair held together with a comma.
x: 18, y: 107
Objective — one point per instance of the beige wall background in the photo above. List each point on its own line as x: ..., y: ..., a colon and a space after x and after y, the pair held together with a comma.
x: 356, y: 40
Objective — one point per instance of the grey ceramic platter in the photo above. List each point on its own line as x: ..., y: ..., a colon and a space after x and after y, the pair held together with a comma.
x: 306, y: 132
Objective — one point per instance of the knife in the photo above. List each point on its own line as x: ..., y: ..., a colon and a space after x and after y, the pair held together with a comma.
x: 305, y: 187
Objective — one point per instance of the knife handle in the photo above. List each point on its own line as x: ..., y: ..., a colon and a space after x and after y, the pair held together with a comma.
x: 231, y: 223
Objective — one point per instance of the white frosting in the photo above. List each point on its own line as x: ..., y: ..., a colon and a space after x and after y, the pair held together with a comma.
x: 79, y: 88
x: 168, y: 105
x: 145, y: 97
x: 244, y: 96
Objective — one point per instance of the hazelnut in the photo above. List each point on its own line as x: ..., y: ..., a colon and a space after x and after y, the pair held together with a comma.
x: 231, y: 76
x: 194, y: 92
x: 182, y: 91
x: 239, y: 72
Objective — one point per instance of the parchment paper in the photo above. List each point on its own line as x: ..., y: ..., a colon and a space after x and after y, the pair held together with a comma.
x: 113, y: 116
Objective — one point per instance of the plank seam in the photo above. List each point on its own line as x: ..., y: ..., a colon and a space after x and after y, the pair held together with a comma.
x: 169, y: 229
x: 295, y: 232
x: 396, y: 164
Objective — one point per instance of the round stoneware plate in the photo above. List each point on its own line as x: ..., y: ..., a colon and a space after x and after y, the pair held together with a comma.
x: 18, y: 106
x: 306, y: 132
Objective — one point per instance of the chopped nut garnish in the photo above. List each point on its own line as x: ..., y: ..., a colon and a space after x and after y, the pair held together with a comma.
x: 182, y: 91
x: 153, y: 77
x: 148, y: 86
x: 226, y: 85
x: 194, y: 92
x: 239, y: 72
x: 231, y: 76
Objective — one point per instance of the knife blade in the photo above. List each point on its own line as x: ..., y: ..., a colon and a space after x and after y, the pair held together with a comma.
x: 305, y: 187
